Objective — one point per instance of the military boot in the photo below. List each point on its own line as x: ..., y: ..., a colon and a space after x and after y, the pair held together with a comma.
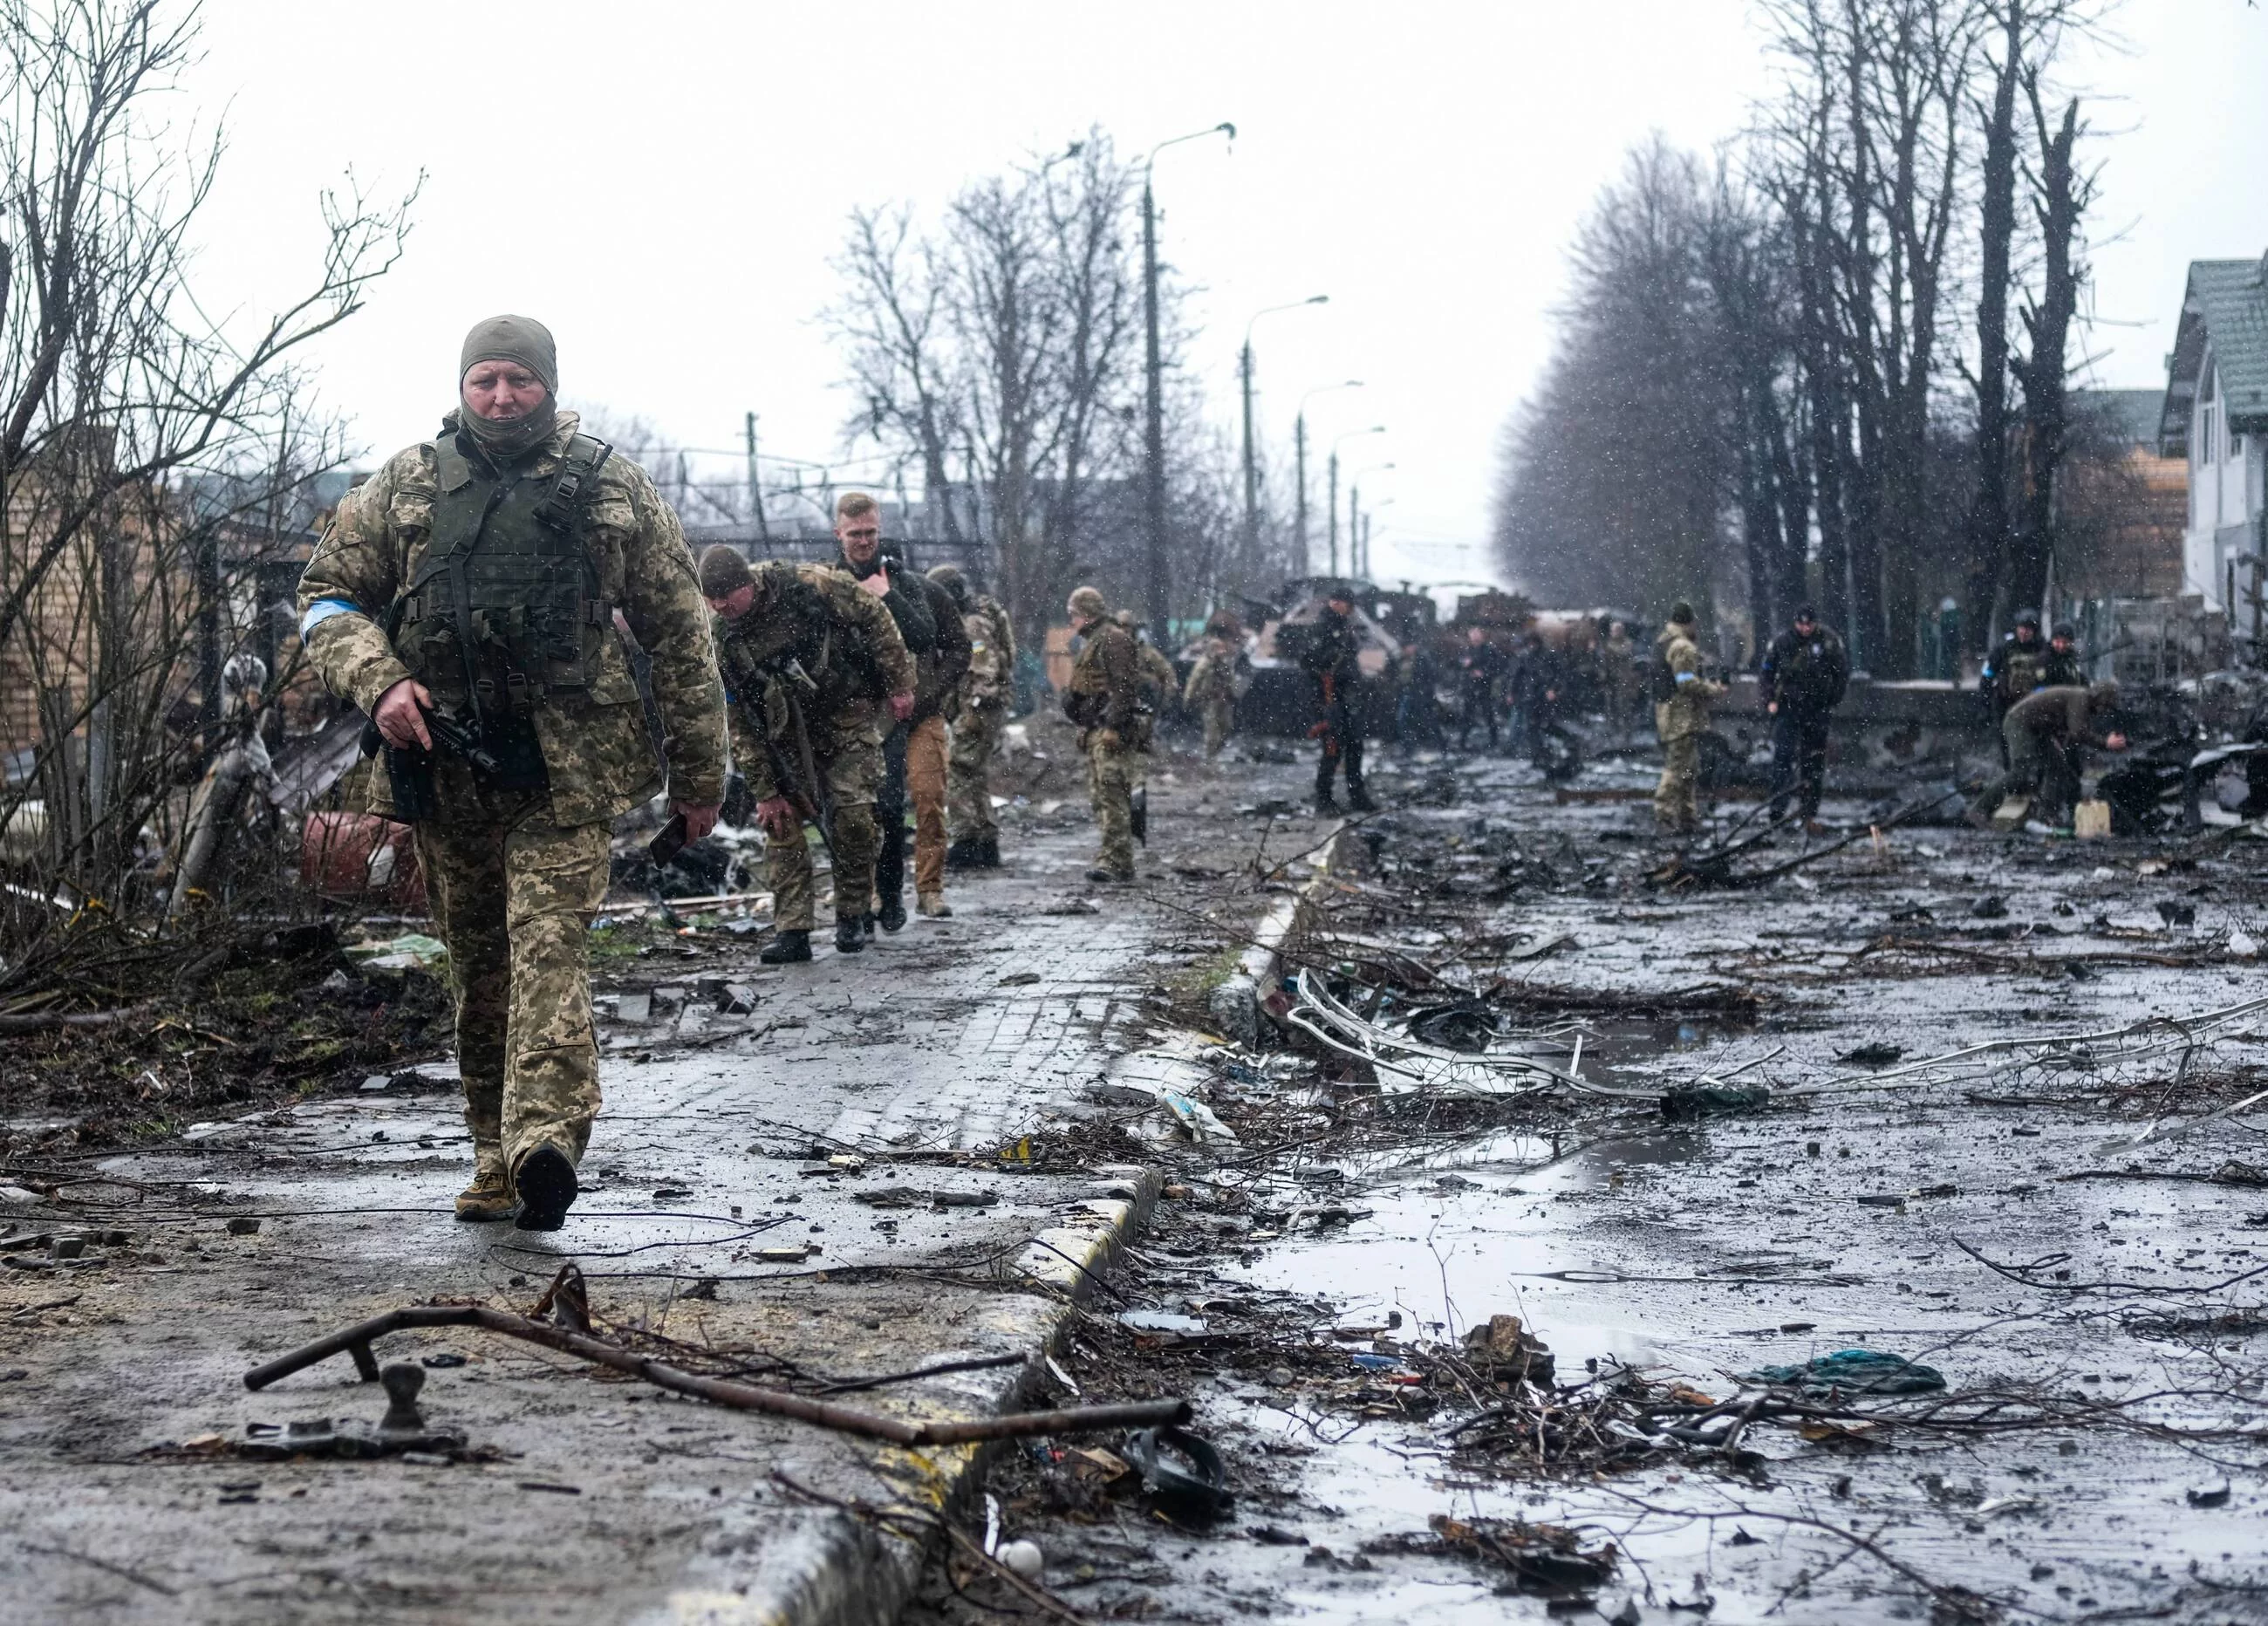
x: 546, y: 1180
x: 850, y: 936
x: 788, y: 946
x: 991, y: 855
x: 891, y: 915
x: 932, y: 906
x: 1359, y: 799
x: 967, y: 853
x: 489, y: 1195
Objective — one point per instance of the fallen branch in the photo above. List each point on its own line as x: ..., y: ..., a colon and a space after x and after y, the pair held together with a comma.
x: 356, y: 1340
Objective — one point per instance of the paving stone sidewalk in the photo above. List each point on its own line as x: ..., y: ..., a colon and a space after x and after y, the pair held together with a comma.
x: 608, y: 1500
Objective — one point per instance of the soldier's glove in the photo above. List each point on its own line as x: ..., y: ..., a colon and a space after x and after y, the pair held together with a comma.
x: 778, y: 817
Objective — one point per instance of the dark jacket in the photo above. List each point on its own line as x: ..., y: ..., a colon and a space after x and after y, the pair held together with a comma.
x: 929, y: 622
x: 2067, y: 714
x: 1479, y: 665
x: 1806, y: 674
x: 2017, y: 669
x: 1331, y: 657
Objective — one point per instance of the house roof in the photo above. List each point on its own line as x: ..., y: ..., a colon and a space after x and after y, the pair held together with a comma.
x: 2226, y: 305
x: 2131, y: 417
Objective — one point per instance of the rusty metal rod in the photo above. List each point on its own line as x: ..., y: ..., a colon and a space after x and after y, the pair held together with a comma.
x: 724, y: 1391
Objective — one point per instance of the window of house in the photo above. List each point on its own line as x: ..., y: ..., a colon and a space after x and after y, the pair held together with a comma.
x: 2207, y: 423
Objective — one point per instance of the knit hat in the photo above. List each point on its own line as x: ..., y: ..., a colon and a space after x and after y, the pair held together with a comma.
x: 723, y: 570
x: 1681, y: 614
x: 512, y: 338
x: 1087, y: 602
x: 1807, y: 612
x: 950, y: 577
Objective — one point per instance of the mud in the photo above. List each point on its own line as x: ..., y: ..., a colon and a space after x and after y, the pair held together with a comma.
x: 2098, y: 1453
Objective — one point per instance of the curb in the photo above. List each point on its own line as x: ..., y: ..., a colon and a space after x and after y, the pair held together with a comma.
x: 1238, y: 1004
x: 823, y: 1567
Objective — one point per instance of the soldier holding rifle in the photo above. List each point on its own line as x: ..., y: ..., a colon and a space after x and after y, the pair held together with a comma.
x: 813, y: 667
x: 465, y: 598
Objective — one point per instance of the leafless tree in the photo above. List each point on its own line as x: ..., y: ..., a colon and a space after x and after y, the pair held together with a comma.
x: 145, y: 450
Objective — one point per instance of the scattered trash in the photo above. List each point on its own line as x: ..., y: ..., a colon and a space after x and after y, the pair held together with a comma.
x: 1689, y: 1102
x: 1875, y: 1055
x: 2208, y: 1498
x: 1851, y: 1372
x: 244, y: 1224
x: 1193, y: 1488
x: 1505, y: 1351
x: 1545, y: 1561
x: 1161, y: 1321
x: 412, y: 951
x: 1024, y: 1557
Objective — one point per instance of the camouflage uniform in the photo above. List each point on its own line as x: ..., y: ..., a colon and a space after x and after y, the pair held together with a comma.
x: 985, y: 697
x: 1159, y: 681
x: 516, y: 876
x: 1105, y: 698
x: 1680, y: 715
x: 849, y: 649
x: 1211, y: 692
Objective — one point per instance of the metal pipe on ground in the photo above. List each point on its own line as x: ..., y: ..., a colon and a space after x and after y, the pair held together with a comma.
x: 356, y: 1340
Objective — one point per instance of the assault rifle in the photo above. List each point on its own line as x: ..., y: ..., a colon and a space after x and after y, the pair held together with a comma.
x: 797, y: 782
x: 409, y: 769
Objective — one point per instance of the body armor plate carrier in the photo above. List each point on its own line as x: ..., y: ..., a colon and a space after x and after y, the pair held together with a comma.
x: 505, y: 608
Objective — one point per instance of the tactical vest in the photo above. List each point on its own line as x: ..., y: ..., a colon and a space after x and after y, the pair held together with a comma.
x: 797, y: 624
x: 505, y: 608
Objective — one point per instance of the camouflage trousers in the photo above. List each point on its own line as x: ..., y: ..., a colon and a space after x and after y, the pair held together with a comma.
x: 513, y: 895
x: 1111, y: 772
x: 968, y: 789
x: 850, y: 762
x: 1677, y: 797
x: 1219, y: 722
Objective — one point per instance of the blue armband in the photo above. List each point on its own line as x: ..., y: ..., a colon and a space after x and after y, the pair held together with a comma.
x: 321, y: 610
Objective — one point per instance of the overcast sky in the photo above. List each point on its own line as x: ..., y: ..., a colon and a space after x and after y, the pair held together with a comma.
x: 665, y: 186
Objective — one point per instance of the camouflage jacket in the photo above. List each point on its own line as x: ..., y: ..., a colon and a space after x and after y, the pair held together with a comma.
x: 1159, y: 681
x: 987, y: 684
x: 597, y: 753
x: 848, y: 646
x: 1685, y: 710
x: 1106, y: 682
x: 1212, y: 681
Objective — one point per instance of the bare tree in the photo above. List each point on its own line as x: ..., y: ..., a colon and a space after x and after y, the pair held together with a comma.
x: 144, y: 450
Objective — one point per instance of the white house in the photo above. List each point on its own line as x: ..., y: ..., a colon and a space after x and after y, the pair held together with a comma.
x: 2216, y: 416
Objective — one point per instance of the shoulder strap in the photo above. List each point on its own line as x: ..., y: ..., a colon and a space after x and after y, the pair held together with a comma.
x: 579, y: 477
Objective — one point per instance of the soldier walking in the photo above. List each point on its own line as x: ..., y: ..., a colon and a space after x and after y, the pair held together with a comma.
x: 1681, y: 717
x: 1210, y: 691
x: 812, y: 670
x: 1480, y: 670
x: 1330, y: 659
x: 1619, y: 678
x: 465, y: 598
x: 913, y: 753
x: 1105, y: 700
x: 985, y: 692
x: 1803, y: 678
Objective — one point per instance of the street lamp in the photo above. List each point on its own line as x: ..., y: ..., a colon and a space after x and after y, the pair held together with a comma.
x: 1358, y: 560
x: 1300, y: 457
x: 1154, y: 437
x: 1369, y: 563
x: 1375, y: 429
x: 1251, y: 468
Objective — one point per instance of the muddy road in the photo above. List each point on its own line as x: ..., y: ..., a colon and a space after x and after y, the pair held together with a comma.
x: 2061, y: 1249
x: 1500, y: 1304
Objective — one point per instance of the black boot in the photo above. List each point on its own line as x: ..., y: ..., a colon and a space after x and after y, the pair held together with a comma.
x: 788, y: 946
x: 545, y: 1181
x: 850, y: 936
x: 1359, y: 799
x: 967, y: 853
x: 893, y: 913
x: 990, y: 856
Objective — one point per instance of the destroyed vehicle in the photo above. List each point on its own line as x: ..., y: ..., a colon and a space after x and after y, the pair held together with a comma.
x: 1281, y: 699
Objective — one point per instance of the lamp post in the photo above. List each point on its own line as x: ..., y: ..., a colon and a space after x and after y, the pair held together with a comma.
x: 1358, y: 558
x: 1154, y: 428
x: 1375, y: 429
x: 1251, y: 467
x: 1300, y: 459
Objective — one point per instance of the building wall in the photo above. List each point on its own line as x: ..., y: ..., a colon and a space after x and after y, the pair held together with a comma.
x: 2225, y: 484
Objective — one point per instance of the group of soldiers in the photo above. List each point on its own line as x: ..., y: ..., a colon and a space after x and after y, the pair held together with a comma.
x: 482, y: 598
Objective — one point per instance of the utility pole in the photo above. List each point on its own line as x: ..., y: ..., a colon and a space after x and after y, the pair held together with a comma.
x: 1251, y: 457
x: 1299, y: 502
x: 1153, y: 436
x: 756, y: 485
x: 1332, y: 508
